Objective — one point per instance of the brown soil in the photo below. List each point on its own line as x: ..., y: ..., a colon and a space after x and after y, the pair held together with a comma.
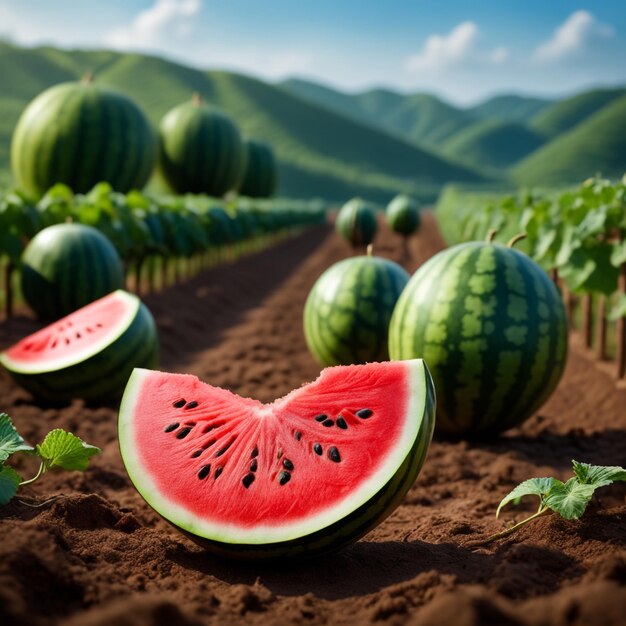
x: 99, y: 555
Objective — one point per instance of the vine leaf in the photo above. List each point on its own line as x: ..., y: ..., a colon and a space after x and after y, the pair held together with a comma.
x: 10, y: 439
x: 9, y: 482
x: 63, y: 450
x: 569, y: 499
x: 598, y: 475
x: 531, y: 487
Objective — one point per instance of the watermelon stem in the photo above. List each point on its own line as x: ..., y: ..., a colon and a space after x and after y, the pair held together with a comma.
x: 369, y: 249
x: 515, y: 239
x: 42, y: 469
x: 491, y: 234
x: 542, y: 510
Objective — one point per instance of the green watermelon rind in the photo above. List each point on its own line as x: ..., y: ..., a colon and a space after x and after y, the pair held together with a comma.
x: 333, y: 527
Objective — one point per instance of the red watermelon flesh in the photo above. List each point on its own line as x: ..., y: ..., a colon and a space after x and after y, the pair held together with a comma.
x: 236, y: 472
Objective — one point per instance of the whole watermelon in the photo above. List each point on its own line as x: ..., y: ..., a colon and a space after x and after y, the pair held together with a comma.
x: 201, y: 150
x: 80, y: 134
x: 261, y: 174
x: 356, y: 222
x: 492, y: 327
x: 403, y: 216
x: 65, y: 267
x: 347, y: 313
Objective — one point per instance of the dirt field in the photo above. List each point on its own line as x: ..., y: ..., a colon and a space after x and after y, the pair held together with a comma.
x: 99, y: 555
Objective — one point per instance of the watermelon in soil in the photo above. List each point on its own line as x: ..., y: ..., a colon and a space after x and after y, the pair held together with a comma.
x: 304, y: 475
x: 89, y: 354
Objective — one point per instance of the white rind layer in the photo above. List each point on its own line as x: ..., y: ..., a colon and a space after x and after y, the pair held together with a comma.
x: 78, y: 356
x: 261, y: 534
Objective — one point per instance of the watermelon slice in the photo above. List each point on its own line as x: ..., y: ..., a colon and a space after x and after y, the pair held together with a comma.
x: 306, y: 474
x: 88, y: 354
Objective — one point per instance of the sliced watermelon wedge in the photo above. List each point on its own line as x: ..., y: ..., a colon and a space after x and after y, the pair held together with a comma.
x: 306, y: 474
x: 87, y: 354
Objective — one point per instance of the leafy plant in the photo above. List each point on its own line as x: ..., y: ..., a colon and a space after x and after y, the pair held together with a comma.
x: 59, y: 450
x: 568, y: 499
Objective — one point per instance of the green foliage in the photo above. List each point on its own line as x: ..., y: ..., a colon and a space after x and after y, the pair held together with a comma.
x: 59, y: 450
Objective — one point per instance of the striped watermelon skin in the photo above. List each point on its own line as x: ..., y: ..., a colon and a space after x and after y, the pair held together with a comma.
x: 81, y: 134
x: 356, y: 222
x: 354, y: 526
x: 104, y: 375
x: 67, y: 266
x: 403, y: 215
x: 492, y: 327
x: 260, y: 178
x: 347, y: 313
x: 201, y: 150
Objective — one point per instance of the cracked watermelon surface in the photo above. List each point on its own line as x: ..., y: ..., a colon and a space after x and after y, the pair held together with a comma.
x: 305, y: 474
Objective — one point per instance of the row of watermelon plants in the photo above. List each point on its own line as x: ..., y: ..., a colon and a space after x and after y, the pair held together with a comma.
x: 579, y: 236
x: 160, y: 240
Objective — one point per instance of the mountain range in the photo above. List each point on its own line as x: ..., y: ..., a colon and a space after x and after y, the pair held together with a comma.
x: 334, y: 145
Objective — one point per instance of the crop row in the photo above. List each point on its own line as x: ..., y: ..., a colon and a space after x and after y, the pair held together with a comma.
x: 159, y: 239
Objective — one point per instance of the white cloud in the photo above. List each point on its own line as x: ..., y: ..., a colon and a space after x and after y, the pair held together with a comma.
x: 457, y: 47
x: 165, y: 18
x: 571, y: 37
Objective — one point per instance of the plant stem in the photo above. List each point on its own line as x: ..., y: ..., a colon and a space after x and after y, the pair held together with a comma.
x: 505, y: 533
x: 42, y: 469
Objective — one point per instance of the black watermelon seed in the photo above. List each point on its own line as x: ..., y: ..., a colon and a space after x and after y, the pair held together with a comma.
x: 191, y: 405
x: 317, y: 448
x: 205, y: 470
x: 181, y: 434
x: 280, y: 453
x: 297, y: 435
x: 284, y: 477
x: 253, y: 466
x: 208, y: 444
x: 179, y: 403
x: 255, y: 452
x: 287, y: 464
x: 341, y: 422
x: 208, y: 429
x: 328, y: 423
x: 247, y: 480
x: 364, y: 413
x: 320, y: 418
x: 222, y: 450
x: 218, y: 471
x: 333, y: 454
x: 171, y: 427
x: 197, y: 453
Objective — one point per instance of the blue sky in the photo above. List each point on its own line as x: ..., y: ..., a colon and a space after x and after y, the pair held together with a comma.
x: 462, y: 51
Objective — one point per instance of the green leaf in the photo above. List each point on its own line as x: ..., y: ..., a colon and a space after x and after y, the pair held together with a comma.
x: 63, y: 450
x: 570, y: 499
x: 10, y: 439
x: 618, y: 309
x: 532, y: 487
x: 598, y: 475
x: 9, y: 482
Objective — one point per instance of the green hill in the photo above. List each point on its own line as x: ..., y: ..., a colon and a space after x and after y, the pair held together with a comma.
x: 565, y: 114
x: 320, y: 152
x: 510, y: 108
x: 493, y: 143
x: 596, y: 145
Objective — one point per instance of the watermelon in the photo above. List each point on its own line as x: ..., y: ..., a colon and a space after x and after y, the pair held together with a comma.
x: 89, y: 354
x: 260, y: 176
x: 201, y: 150
x: 347, y: 313
x: 356, y: 222
x: 403, y: 215
x: 66, y: 266
x: 80, y: 134
x: 306, y: 474
x: 492, y: 327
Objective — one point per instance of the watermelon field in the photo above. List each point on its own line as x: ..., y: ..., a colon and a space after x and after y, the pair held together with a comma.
x: 97, y: 554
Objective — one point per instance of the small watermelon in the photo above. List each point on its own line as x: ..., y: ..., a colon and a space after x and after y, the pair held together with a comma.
x: 201, y: 150
x: 403, y: 216
x: 347, y: 313
x: 260, y: 177
x: 89, y: 354
x: 306, y: 474
x: 66, y: 266
x: 492, y: 327
x: 80, y: 134
x: 356, y: 222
